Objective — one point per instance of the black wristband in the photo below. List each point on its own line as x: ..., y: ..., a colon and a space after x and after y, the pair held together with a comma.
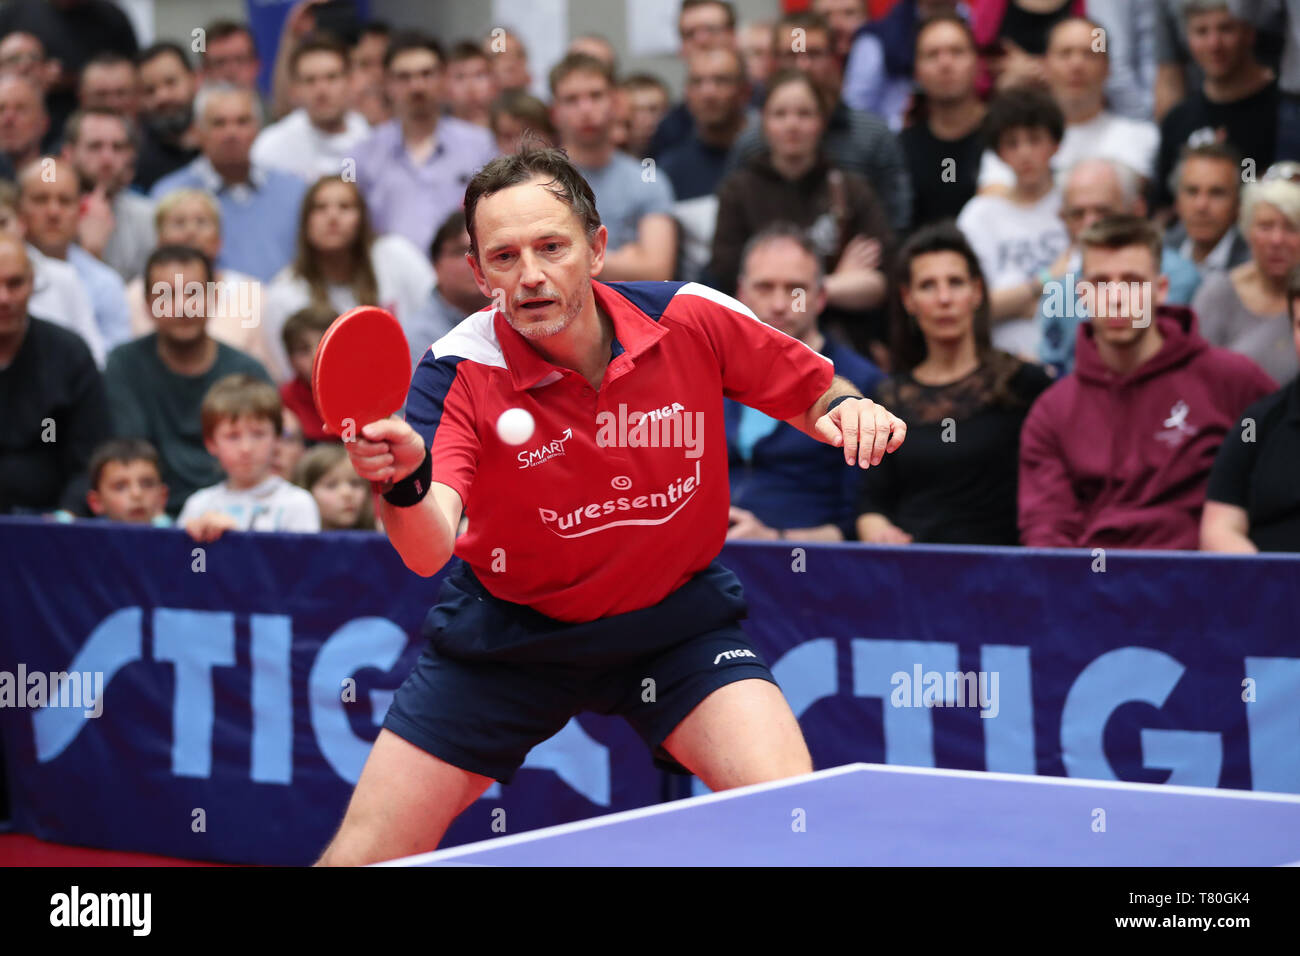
x: 412, y: 489
x: 835, y: 401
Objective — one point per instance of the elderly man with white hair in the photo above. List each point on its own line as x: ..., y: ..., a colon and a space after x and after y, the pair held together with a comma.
x: 1245, y: 308
x: 1093, y: 190
x: 259, y: 206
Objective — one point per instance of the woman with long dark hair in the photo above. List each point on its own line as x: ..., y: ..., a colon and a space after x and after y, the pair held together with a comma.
x: 341, y: 263
x: 954, y: 482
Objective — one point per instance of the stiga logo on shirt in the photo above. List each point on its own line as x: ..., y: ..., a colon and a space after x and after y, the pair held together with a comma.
x: 544, y: 453
x: 655, y: 508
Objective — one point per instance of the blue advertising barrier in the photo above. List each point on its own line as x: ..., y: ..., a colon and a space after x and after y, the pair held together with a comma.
x: 234, y: 690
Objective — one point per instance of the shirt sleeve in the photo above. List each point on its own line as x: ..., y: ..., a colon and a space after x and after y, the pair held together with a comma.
x: 194, y: 506
x: 993, y: 171
x: 761, y: 367
x: 301, y: 513
x: 1233, y: 466
x: 1049, y: 512
x: 440, y: 407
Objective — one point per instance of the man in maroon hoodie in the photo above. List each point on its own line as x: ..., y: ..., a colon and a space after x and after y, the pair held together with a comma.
x: 1118, y: 453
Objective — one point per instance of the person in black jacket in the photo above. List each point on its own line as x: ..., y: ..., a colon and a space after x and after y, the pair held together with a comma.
x: 55, y: 410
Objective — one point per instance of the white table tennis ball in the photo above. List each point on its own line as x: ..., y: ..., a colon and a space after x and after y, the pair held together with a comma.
x: 515, y: 426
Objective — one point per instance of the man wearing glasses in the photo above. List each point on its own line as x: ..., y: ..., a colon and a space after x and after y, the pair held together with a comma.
x: 702, y: 25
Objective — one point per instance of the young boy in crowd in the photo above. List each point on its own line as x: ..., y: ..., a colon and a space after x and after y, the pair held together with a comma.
x: 1018, y: 237
x: 301, y: 334
x: 126, y: 483
x: 242, y: 419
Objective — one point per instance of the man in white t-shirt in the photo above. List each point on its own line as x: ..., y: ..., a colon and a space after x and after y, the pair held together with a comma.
x: 242, y: 418
x: 1077, y: 66
x: 1019, y: 235
x: 317, y: 138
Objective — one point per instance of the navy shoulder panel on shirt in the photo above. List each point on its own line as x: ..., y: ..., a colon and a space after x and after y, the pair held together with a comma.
x: 430, y: 383
x: 650, y: 297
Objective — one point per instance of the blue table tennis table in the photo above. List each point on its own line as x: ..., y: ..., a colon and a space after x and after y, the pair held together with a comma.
x: 878, y: 815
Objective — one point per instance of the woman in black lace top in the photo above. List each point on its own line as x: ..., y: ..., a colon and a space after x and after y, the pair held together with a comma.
x: 954, y: 480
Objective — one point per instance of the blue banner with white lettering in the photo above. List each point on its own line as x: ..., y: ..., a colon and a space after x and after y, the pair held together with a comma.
x: 219, y: 702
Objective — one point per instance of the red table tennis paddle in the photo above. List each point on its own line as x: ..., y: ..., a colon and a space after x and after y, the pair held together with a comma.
x: 361, y: 371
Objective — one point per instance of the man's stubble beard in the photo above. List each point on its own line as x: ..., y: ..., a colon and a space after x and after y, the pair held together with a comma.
x: 555, y: 326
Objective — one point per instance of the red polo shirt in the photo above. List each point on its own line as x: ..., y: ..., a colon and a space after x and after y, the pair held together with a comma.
x: 621, y: 494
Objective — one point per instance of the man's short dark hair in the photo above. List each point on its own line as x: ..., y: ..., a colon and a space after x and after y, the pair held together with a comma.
x: 954, y: 19
x: 376, y: 28
x: 173, y: 254
x: 644, y: 81
x: 72, y: 127
x: 447, y: 232
x: 1215, y: 152
x: 108, y: 58
x: 1023, y: 107
x: 466, y: 50
x: 312, y: 318
x: 549, y: 163
x: 122, y: 451
x: 162, y: 48
x: 1122, y: 231
x: 409, y: 40
x: 579, y: 63
x: 224, y: 29
x: 782, y: 231
x: 695, y: 4
x: 318, y: 43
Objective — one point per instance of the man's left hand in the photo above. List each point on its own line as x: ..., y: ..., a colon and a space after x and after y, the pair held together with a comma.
x: 866, y: 431
x: 745, y: 526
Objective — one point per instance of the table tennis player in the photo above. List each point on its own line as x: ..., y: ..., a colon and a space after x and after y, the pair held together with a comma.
x: 588, y: 578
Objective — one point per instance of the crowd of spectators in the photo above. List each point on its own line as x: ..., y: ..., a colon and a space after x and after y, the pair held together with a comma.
x: 1059, y: 238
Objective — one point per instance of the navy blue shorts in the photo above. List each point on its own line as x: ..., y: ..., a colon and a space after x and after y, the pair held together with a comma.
x: 497, y: 678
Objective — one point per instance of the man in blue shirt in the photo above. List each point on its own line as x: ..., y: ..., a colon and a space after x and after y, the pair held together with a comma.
x: 783, y: 483
x: 259, y: 206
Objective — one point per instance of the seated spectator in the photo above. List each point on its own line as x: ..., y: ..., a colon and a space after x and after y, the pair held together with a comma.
x: 1117, y: 454
x: 508, y: 56
x: 110, y: 82
x: 241, y: 418
x: 191, y: 217
x: 1253, y: 501
x: 944, y: 143
x: 126, y: 483
x: 70, y: 33
x: 702, y: 25
x: 414, y: 168
x: 716, y: 96
x: 342, y: 264
x: 57, y: 294
x: 1244, y: 309
x: 49, y: 198
x: 1094, y: 190
x: 637, y: 211
x: 648, y: 103
x: 290, y: 448
x: 169, y: 139
x: 868, y: 84
x: 319, y: 137
x: 1076, y: 73
x: 1017, y: 237
x: 342, y: 497
x: 23, y: 54
x: 455, y: 293
x: 301, y: 335
x: 515, y: 113
x: 1237, y: 102
x: 1207, y: 199
x: 785, y: 484
x: 258, y: 205
x: 53, y: 397
x: 156, y: 383
x: 470, y: 87
x: 852, y: 140
x: 23, y: 123
x: 954, y: 481
x: 116, y: 222
x: 366, y: 57
x: 230, y: 56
